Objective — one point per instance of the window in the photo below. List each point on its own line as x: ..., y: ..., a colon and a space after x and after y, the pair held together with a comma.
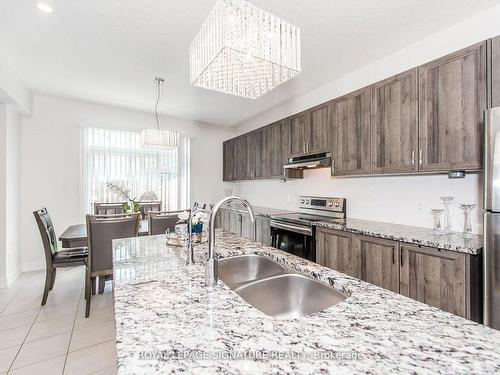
x: 117, y: 156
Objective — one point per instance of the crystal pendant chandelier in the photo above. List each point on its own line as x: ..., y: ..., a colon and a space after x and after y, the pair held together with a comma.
x: 243, y: 50
x: 157, y: 138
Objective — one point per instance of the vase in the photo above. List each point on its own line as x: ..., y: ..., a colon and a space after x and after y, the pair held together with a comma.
x: 197, y: 228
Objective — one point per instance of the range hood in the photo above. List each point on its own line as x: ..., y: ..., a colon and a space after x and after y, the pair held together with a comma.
x: 310, y: 161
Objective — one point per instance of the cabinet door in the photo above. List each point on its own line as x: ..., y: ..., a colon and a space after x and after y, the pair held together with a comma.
x: 272, y: 151
x: 436, y: 277
x: 377, y: 261
x: 334, y: 250
x: 263, y: 230
x: 234, y: 222
x: 239, y: 163
x: 318, y: 135
x: 297, y: 134
x: 247, y: 227
x: 452, y: 98
x: 285, y: 132
x: 228, y: 160
x: 351, y: 133
x: 495, y: 72
x: 394, y: 143
x: 253, y: 164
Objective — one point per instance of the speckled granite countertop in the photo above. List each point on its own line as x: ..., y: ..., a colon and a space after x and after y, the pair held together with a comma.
x: 262, y: 211
x: 165, y: 316
x: 409, y: 234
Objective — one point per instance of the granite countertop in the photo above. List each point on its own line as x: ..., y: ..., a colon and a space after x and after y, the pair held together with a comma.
x: 259, y: 210
x: 167, y: 321
x: 410, y: 234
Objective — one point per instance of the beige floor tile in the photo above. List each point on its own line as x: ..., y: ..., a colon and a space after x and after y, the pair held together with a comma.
x: 41, y: 350
x: 96, y: 316
x: 7, y: 356
x: 107, y: 371
x: 92, y: 359
x: 13, y: 336
x: 51, y: 327
x: 18, y: 319
x: 20, y: 304
x: 95, y: 334
x: 53, y: 366
x: 61, y: 311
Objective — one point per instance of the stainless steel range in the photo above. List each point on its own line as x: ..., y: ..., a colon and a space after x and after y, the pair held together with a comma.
x: 295, y: 233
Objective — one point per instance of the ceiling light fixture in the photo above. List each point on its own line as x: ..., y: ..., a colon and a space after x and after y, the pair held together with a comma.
x: 46, y: 6
x: 243, y: 50
x: 157, y: 138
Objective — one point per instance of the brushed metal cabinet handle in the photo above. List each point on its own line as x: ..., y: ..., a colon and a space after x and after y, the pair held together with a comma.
x: 413, y: 158
x: 420, y: 157
x: 401, y: 255
x: 393, y: 254
x: 333, y: 167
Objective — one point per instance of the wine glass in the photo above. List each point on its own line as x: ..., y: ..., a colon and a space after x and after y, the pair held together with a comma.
x: 447, y: 219
x: 467, y: 208
x: 436, y: 213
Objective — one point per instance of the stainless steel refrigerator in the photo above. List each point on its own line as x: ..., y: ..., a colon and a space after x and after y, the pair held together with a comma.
x: 491, y: 252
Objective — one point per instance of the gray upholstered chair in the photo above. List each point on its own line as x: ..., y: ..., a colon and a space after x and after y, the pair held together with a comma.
x: 101, y: 231
x: 160, y: 221
x: 55, y: 258
x: 145, y: 207
x: 106, y: 208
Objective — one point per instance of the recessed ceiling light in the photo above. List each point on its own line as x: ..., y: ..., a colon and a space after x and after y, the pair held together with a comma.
x: 46, y: 6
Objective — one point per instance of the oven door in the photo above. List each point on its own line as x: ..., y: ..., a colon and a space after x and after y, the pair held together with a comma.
x: 294, y: 239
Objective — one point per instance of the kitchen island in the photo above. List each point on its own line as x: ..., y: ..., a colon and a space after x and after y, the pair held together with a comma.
x: 168, y: 321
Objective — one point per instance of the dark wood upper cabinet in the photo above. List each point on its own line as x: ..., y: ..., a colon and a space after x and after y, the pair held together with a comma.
x: 394, y: 124
x: 298, y: 134
x: 377, y: 261
x: 350, y: 119
x: 435, y: 277
x: 452, y: 98
x: 318, y: 134
x: 253, y: 149
x: 494, y: 60
x: 228, y: 160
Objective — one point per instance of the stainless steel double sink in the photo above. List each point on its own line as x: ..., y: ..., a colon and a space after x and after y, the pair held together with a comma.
x: 270, y: 288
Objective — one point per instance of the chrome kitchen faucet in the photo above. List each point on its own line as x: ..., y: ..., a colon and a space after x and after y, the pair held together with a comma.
x: 212, y: 269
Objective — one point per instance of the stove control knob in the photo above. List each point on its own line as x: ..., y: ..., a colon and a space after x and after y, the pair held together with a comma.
x: 330, y: 203
x: 307, y: 201
x: 301, y: 201
x: 337, y: 204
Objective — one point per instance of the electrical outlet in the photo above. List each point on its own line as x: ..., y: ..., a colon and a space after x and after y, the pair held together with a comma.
x: 420, y: 207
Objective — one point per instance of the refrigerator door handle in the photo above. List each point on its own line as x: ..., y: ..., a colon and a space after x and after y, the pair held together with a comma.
x: 491, y: 276
x: 492, y: 160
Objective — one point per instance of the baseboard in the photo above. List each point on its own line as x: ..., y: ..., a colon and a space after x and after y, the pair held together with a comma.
x: 12, y: 276
x: 35, y: 265
x: 6, y: 281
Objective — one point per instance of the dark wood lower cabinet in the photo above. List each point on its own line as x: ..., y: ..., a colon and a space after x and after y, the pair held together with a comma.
x: 445, y: 279
x: 240, y: 224
x: 334, y: 250
x: 377, y: 261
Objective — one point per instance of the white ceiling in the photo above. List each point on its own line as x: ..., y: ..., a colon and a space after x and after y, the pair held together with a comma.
x: 110, y: 50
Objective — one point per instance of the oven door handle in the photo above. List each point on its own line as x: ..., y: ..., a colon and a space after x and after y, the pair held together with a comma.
x: 292, y: 228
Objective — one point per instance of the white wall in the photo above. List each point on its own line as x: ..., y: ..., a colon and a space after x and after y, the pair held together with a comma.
x: 9, y: 198
x: 404, y: 200
x: 50, y: 161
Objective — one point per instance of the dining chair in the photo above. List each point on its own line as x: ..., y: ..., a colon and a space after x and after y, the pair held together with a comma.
x: 101, y: 231
x: 160, y: 221
x: 107, y: 208
x: 145, y: 207
x: 55, y: 258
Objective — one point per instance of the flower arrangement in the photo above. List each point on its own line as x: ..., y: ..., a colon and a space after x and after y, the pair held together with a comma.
x: 199, y: 217
x: 133, y: 204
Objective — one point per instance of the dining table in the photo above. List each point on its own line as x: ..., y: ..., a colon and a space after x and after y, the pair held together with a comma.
x: 76, y: 235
